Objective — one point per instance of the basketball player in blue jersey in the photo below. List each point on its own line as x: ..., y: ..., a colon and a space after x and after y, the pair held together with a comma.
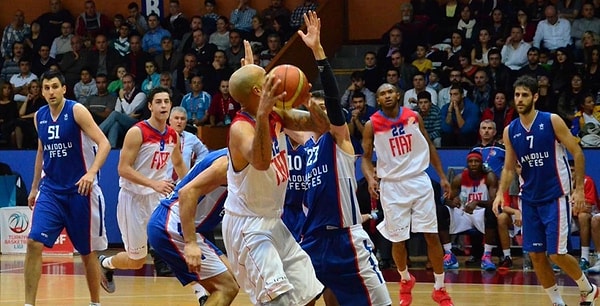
x: 147, y: 148
x: 267, y: 262
x: 196, y: 206
x: 404, y: 152
x: 293, y: 214
x: 71, y: 151
x: 537, y: 141
x: 340, y: 249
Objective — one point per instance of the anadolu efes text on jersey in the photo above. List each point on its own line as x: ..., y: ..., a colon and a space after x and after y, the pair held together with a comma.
x: 402, y: 149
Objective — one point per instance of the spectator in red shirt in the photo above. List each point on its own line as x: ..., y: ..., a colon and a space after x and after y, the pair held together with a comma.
x: 222, y: 107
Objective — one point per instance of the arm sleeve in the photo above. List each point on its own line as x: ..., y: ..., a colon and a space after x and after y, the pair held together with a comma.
x: 330, y: 87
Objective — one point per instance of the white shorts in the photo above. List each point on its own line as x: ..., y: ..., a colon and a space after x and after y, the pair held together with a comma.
x: 133, y: 212
x: 267, y: 261
x: 575, y: 221
x: 461, y: 221
x: 408, y: 206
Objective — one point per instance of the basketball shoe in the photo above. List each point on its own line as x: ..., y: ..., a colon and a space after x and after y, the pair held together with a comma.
x: 584, y: 264
x: 589, y: 298
x: 486, y: 262
x: 450, y: 261
x: 442, y: 297
x: 107, y: 281
x: 506, y: 263
x: 595, y: 269
x: 202, y: 300
x: 406, y: 287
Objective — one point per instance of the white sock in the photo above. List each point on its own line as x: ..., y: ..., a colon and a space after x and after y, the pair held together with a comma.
x: 199, y: 291
x: 439, y: 281
x: 506, y: 253
x: 404, y: 275
x: 584, y: 284
x: 585, y: 253
x: 488, y: 248
x: 28, y: 305
x: 448, y: 247
x: 107, y: 263
x: 554, y: 295
x: 94, y: 304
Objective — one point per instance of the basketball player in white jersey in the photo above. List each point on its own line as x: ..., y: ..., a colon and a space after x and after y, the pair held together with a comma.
x: 268, y: 263
x: 404, y: 152
x: 71, y: 151
x: 147, y: 148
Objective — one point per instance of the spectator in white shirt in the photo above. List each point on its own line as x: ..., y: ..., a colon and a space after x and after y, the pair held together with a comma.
x: 553, y: 32
x: 21, y: 80
x: 514, y: 52
x: 419, y: 85
x: 192, y: 149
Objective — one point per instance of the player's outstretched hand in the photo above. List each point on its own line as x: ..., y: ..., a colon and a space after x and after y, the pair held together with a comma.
x: 268, y: 97
x: 497, y: 204
x: 312, y: 38
x: 248, y: 55
x: 193, y: 256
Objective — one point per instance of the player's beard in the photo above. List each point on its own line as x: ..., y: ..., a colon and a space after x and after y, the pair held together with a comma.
x: 527, y: 109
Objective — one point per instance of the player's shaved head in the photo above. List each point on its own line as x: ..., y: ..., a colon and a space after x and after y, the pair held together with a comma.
x: 244, y: 81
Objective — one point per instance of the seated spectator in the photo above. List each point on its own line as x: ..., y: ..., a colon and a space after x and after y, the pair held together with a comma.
x: 533, y: 67
x: 452, y: 53
x: 510, y: 220
x: 591, y: 75
x: 91, y: 23
x: 490, y: 146
x: 220, y: 37
x: 527, y: 25
x: 372, y: 72
x: 204, y: 50
x: 407, y: 71
x: 259, y: 36
x: 460, y: 119
x: 10, y: 66
x: 103, y: 60
x: 85, y: 87
x: 117, y: 84
x: 392, y: 76
x: 196, y: 103
x: 16, y: 31
x: 20, y: 81
x: 151, y: 40
x: 62, y: 44
x: 72, y: 62
x: 468, y: 69
x: 431, y: 117
x: 273, y: 11
x: 358, y: 85
x: 480, y: 50
x: 186, y: 40
x: 102, y: 103
x: 469, y: 206
x: 222, y: 106
x: 281, y: 26
x: 51, y: 22
x: 118, y: 21
x: 410, y: 96
x: 136, y: 21
x: 42, y: 61
x: 127, y: 112
x: 422, y: 63
x: 587, y: 22
x: 553, y: 32
x: 166, y: 81
x: 586, y: 122
x: 499, y: 76
x: 153, y: 78
x: 514, y: 52
x: 467, y: 25
x: 8, y: 112
x: 357, y: 118
x: 209, y: 19
x: 384, y: 53
x: 273, y: 47
x: 434, y: 81
x: 568, y: 9
x: 175, y: 22
x: 455, y: 77
x: 501, y: 112
x: 482, y: 91
x: 547, y: 101
x: 583, y: 220
x: 33, y: 40
x: 121, y: 42
x: 241, y: 17
x: 415, y: 29
x: 136, y: 59
x: 235, y: 53
x: 499, y: 28
x: 188, y: 69
x: 222, y: 69
x: 449, y: 19
x: 536, y: 9
x: 25, y: 133
x: 569, y: 100
x: 169, y: 60
x: 297, y: 19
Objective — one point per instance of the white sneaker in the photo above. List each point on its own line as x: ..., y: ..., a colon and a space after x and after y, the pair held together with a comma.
x: 588, y: 299
x: 595, y: 269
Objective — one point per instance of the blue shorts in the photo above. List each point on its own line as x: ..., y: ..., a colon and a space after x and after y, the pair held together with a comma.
x: 344, y: 262
x: 165, y: 236
x: 546, y: 227
x: 293, y: 218
x: 82, y: 216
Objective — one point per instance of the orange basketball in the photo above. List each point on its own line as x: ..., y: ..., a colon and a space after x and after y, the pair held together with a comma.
x: 294, y: 83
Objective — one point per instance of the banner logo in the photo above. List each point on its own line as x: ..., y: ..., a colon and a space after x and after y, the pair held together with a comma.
x: 18, y: 222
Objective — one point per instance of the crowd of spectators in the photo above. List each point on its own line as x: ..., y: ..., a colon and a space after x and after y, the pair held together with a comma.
x: 111, y: 63
x: 466, y: 56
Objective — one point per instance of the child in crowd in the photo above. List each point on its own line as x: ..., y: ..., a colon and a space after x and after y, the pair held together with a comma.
x: 85, y: 87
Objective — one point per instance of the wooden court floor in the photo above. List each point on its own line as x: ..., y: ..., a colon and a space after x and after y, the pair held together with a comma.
x: 63, y: 283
